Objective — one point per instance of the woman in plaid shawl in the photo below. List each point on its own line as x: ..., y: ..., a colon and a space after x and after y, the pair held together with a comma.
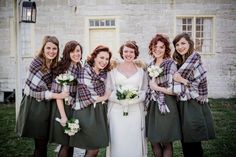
x: 34, y: 115
x: 163, y: 125
x: 70, y: 64
x: 91, y: 108
x: 191, y: 87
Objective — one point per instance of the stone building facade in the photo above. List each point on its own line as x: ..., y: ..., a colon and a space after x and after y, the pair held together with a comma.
x: 211, y: 23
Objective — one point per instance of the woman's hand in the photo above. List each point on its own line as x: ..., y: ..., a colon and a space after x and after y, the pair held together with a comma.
x: 63, y: 121
x: 64, y: 94
x: 153, y: 85
x: 178, y: 78
x: 104, y: 97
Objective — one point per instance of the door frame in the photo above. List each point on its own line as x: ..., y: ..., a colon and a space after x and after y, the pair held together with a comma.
x: 87, y: 31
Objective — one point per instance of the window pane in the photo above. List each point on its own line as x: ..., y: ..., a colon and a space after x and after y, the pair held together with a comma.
x: 96, y: 22
x: 189, y: 28
x: 108, y: 23
x: 112, y: 22
x: 91, y: 23
x: 189, y: 21
x: 198, y: 28
x: 102, y: 22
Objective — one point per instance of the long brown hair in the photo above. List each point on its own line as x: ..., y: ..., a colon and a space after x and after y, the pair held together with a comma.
x: 65, y: 61
x: 132, y: 45
x: 178, y: 57
x: 164, y: 40
x: 96, y: 51
x: 55, y: 41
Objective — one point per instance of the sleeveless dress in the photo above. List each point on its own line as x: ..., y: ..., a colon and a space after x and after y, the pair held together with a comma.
x: 126, y: 132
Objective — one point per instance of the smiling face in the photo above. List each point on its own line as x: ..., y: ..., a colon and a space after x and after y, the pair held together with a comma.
x: 128, y: 54
x: 159, y: 50
x: 50, y: 51
x: 75, y: 55
x: 101, y: 60
x: 182, y: 46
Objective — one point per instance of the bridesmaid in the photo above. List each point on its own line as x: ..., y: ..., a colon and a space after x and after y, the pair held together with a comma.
x: 91, y: 108
x: 70, y: 63
x: 163, y: 125
x: 34, y: 116
x: 195, y: 114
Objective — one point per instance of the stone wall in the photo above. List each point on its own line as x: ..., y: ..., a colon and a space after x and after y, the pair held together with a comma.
x: 138, y: 20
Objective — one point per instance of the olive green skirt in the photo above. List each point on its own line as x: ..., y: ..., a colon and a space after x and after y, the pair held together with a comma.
x: 196, y: 121
x: 163, y: 127
x: 94, y: 127
x: 34, y: 118
x: 56, y: 131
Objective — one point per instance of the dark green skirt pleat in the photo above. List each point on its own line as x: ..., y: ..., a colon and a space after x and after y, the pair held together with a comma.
x: 56, y: 133
x: 163, y: 127
x: 34, y: 118
x: 94, y: 127
x: 196, y: 121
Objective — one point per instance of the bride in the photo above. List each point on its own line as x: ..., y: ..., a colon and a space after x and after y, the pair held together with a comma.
x: 126, y: 118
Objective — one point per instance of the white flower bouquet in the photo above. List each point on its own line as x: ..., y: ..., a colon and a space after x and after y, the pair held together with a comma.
x: 72, y: 126
x: 125, y: 95
x: 154, y: 71
x: 64, y: 80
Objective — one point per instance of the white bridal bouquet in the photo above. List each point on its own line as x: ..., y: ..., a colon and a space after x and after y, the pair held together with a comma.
x: 72, y: 126
x: 64, y: 80
x: 125, y: 95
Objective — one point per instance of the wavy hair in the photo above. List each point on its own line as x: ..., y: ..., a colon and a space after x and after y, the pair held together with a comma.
x: 162, y: 38
x: 94, y: 54
x: 65, y: 61
x: 54, y: 62
x: 178, y: 57
x: 132, y: 45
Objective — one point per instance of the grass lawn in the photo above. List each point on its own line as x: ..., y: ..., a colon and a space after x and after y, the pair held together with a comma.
x: 223, y: 110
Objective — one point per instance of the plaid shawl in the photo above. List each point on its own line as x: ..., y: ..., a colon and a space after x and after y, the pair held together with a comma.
x: 90, y: 86
x: 38, y: 83
x: 57, y: 88
x: 193, y: 71
x: 165, y: 80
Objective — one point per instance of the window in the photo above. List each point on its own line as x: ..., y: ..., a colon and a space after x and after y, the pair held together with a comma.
x: 102, y: 23
x: 201, y: 30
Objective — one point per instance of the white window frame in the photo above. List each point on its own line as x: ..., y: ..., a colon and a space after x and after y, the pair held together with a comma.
x: 88, y: 27
x: 194, y: 17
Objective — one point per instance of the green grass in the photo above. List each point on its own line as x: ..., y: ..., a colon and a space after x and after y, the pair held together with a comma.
x: 223, y: 110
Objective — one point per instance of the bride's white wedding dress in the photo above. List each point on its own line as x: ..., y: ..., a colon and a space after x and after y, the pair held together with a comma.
x: 127, y: 133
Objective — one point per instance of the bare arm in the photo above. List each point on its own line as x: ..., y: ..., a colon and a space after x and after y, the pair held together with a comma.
x: 155, y: 87
x: 60, y: 106
x: 178, y: 78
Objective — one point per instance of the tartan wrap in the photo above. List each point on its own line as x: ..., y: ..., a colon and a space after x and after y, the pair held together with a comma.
x: 90, y: 86
x: 72, y: 87
x: 37, y: 84
x: 194, y: 72
x: 165, y: 80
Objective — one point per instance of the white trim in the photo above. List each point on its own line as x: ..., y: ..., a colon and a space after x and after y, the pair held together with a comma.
x: 194, y: 28
x: 13, y: 37
x: 87, y: 28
